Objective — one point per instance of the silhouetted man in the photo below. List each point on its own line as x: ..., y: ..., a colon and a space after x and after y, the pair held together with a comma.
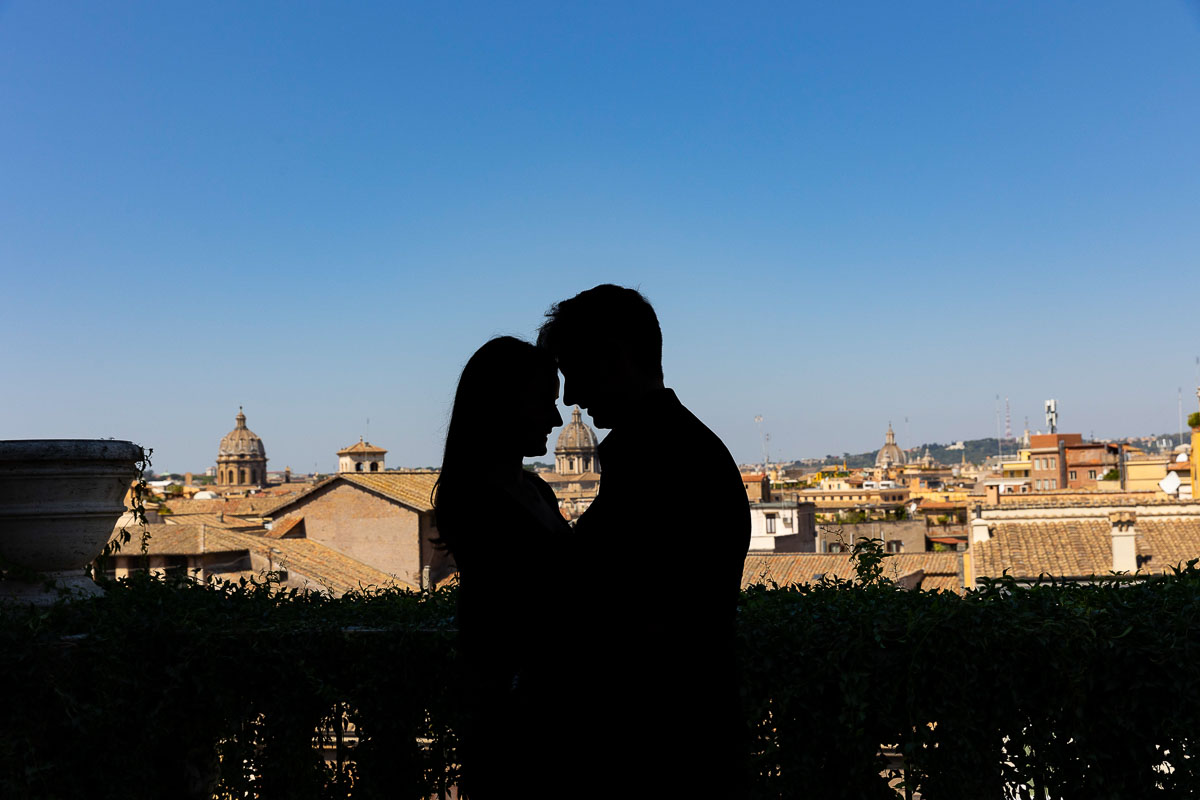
x: 661, y: 555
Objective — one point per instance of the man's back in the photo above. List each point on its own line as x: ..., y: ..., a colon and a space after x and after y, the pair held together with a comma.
x: 665, y: 542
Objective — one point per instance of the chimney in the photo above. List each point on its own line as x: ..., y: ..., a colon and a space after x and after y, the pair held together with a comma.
x: 1121, y: 464
x: 1124, y: 541
x: 187, y: 479
x: 1062, y: 464
x: 979, y: 527
x: 992, y: 494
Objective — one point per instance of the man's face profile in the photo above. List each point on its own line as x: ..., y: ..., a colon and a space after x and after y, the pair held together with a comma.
x: 586, y: 385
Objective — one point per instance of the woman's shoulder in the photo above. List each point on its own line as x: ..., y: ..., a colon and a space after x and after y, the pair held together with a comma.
x: 536, y: 481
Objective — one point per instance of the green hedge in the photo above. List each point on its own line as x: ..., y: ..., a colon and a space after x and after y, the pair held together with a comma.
x: 161, y: 689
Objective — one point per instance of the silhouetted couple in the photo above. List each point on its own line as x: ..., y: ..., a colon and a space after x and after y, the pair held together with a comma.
x: 600, y: 658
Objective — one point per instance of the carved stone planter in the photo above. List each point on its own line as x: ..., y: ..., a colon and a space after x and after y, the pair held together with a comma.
x: 59, y: 500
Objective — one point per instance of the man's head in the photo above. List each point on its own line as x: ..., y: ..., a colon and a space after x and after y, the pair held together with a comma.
x: 609, y: 348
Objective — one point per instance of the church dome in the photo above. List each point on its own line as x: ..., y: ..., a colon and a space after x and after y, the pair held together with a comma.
x: 576, y: 436
x: 890, y: 455
x: 241, y: 441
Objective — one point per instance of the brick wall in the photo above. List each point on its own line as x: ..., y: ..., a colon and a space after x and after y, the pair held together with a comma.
x: 369, y: 528
x: 909, y: 533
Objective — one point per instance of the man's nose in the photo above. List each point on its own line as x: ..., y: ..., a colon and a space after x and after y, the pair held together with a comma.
x: 569, y: 394
x: 558, y: 419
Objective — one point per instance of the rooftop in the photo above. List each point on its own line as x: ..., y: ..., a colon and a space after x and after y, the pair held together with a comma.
x: 1081, y: 547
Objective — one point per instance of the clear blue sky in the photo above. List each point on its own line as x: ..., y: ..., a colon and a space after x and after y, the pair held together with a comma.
x: 845, y: 213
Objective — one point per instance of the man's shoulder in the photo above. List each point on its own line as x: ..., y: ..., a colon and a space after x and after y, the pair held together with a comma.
x: 692, y: 434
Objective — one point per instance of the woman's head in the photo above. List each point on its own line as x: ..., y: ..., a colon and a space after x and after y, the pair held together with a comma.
x: 505, y: 407
x: 506, y: 404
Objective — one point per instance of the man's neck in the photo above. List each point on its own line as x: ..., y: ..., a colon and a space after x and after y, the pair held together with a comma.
x: 637, y: 404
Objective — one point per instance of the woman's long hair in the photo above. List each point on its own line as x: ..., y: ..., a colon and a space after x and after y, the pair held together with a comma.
x: 477, y: 433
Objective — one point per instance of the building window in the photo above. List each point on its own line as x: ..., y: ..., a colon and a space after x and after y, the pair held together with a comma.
x: 374, y: 466
x: 1092, y: 473
x: 358, y: 466
x: 1072, y: 474
x: 1053, y: 483
x: 770, y: 523
x: 835, y: 547
x: 1037, y: 484
x: 893, y: 546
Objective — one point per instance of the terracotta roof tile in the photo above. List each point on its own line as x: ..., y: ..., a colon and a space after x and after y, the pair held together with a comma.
x: 315, y: 565
x: 253, y: 506
x: 1081, y: 548
x: 413, y: 489
x: 289, y: 526
x: 557, y: 477
x: 212, y: 520
x: 360, y: 447
x: 177, y: 540
x: 941, y: 569
x: 940, y: 505
x: 323, y: 567
x: 1072, y: 498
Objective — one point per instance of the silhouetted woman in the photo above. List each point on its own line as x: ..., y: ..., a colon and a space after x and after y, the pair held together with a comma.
x: 501, y: 522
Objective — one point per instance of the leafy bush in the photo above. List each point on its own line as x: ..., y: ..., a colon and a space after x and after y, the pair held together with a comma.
x: 1194, y: 419
x: 164, y: 689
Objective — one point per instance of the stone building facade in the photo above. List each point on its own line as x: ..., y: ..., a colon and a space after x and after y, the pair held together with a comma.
x: 576, y: 476
x: 575, y: 451
x: 361, y: 457
x: 241, y: 458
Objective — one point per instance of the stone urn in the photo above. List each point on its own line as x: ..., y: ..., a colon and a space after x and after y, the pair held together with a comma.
x: 59, y: 501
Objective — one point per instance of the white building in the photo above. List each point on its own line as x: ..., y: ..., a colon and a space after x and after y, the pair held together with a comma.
x: 783, y: 526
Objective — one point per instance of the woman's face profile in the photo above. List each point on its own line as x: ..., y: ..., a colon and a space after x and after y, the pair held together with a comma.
x: 535, y: 416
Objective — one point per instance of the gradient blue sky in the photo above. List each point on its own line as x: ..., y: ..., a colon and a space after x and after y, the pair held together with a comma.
x: 845, y: 213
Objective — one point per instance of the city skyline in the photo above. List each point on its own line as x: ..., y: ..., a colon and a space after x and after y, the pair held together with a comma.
x: 844, y: 216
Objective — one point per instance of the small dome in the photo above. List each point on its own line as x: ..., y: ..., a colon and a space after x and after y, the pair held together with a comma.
x: 890, y: 455
x: 576, y: 436
x: 241, y: 441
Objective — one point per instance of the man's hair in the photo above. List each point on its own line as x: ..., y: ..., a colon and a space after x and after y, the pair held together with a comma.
x: 605, y: 318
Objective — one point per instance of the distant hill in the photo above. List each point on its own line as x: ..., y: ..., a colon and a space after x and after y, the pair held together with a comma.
x: 974, y: 450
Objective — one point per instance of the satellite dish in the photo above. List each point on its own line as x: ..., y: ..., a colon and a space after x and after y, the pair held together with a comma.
x: 1171, y: 483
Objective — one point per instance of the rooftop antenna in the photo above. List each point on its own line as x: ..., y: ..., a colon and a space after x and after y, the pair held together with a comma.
x: 766, y: 437
x: 999, y: 441
x: 1052, y: 415
x: 1180, y: 416
x: 1007, y: 420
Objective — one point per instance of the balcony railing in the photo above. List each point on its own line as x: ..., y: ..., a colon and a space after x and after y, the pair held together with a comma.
x: 177, y: 690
